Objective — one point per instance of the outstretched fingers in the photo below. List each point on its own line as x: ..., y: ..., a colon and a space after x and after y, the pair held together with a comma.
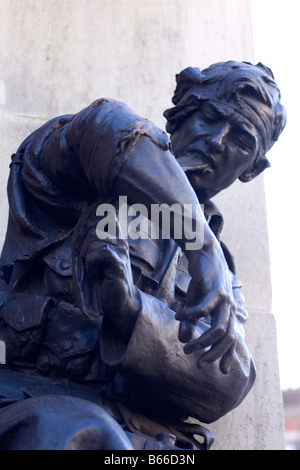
x: 206, y: 306
x: 227, y: 358
x: 220, y: 338
x: 223, y: 348
x: 222, y: 318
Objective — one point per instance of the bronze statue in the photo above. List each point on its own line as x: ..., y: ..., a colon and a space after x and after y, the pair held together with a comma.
x: 113, y: 342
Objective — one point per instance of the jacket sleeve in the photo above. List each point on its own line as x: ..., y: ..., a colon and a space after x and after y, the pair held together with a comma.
x: 104, y: 151
x: 107, y: 151
x: 94, y: 146
x: 170, y: 377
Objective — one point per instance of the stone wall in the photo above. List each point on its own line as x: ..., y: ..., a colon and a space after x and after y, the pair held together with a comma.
x: 57, y: 57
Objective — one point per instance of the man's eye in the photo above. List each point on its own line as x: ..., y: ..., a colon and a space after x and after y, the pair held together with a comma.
x: 209, y: 114
x: 244, y: 141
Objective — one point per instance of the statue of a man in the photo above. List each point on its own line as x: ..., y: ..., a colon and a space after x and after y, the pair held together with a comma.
x: 126, y: 339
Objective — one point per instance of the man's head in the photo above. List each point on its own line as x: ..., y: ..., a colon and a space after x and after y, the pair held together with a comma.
x: 224, y: 120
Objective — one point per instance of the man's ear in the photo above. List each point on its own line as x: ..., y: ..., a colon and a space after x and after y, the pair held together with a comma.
x: 256, y: 169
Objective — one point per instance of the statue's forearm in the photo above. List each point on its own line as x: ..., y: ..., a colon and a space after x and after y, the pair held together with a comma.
x: 172, y: 376
x: 151, y: 177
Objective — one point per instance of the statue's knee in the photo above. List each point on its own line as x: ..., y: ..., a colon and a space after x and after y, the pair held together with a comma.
x: 53, y: 422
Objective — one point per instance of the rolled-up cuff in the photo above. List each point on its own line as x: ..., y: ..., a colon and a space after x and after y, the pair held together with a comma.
x: 154, y: 359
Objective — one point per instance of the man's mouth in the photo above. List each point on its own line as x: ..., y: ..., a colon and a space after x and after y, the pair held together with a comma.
x: 195, y: 160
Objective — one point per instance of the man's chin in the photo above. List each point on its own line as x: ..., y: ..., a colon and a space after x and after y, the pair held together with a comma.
x: 202, y: 196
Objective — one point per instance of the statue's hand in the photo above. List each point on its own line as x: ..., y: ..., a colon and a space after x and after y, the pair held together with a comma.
x: 109, y: 260
x: 210, y: 292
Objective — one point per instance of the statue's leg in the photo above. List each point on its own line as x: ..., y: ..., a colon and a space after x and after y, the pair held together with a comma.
x: 55, y: 422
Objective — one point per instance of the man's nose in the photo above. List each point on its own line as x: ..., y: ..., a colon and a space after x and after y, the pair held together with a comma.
x: 216, y: 140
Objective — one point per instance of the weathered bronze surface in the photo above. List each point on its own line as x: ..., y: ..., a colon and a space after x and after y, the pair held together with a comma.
x: 113, y: 343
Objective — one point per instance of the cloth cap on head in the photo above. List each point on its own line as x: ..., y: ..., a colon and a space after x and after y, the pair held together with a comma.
x: 249, y: 88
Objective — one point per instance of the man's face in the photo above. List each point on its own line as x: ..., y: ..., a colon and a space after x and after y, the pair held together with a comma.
x: 215, y: 145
